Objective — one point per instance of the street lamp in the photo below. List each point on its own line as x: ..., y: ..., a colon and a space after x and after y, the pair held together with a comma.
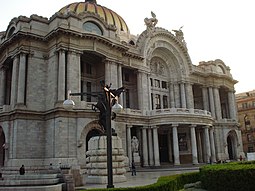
x: 106, y: 103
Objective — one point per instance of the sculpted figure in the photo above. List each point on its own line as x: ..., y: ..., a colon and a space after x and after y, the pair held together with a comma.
x: 151, y: 22
x: 179, y: 34
x: 134, y: 144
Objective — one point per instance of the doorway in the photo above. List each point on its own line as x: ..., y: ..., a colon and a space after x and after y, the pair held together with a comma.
x: 232, y: 145
x: 2, y: 147
x: 163, y: 148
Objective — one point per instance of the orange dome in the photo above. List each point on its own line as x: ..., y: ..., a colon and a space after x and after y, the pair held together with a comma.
x: 91, y: 6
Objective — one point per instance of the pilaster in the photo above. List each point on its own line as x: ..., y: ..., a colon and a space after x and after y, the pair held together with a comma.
x: 61, y: 75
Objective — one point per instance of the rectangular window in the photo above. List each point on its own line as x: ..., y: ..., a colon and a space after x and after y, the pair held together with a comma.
x: 8, y: 82
x: 250, y: 149
x: 88, y: 91
x: 127, y: 98
x: 245, y: 105
x: 249, y: 137
x: 88, y: 68
x: 157, y: 101
x: 182, y: 137
x: 157, y: 83
x: 152, y: 102
x: 151, y: 82
x: 126, y: 75
x: 164, y: 85
x: 165, y: 102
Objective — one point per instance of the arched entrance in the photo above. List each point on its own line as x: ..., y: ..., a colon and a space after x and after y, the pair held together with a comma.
x: 232, y: 145
x: 92, y: 133
x: 2, y: 147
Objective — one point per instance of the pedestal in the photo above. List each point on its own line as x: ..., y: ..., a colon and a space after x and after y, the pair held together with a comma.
x: 137, y: 159
x: 97, y: 160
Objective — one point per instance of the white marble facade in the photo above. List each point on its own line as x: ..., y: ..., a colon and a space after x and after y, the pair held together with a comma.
x: 180, y: 112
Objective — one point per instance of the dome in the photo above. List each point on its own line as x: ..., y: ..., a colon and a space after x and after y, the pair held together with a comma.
x: 91, y: 6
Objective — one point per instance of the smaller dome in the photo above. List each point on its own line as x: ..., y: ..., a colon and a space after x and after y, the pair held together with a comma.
x: 91, y: 6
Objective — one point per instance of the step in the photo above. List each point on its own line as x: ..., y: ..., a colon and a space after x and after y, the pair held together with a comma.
x: 57, y: 187
x: 13, y: 182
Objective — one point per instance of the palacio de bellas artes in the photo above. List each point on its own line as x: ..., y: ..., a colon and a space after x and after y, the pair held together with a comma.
x: 174, y: 112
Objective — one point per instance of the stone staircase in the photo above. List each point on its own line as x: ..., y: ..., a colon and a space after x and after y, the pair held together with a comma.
x: 35, y: 179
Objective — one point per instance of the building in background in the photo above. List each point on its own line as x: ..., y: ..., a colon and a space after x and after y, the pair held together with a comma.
x: 246, y: 117
x: 180, y: 112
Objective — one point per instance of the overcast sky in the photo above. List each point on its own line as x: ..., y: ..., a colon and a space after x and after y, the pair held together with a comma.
x: 213, y: 29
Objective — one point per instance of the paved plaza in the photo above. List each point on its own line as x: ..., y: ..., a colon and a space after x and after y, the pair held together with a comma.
x: 145, y: 176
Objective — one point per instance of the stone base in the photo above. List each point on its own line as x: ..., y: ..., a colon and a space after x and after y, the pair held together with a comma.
x: 97, y: 160
x: 57, y: 187
x: 137, y: 158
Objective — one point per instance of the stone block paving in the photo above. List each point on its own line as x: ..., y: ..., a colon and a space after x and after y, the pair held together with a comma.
x: 145, y: 176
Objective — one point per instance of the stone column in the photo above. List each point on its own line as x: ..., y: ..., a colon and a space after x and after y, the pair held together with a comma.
x: 170, y: 152
x: 2, y: 85
x: 145, y: 147
x: 177, y: 95
x: 150, y: 143
x: 120, y: 84
x: 212, y: 145
x: 193, y: 144
x: 183, y: 96
x: 171, y: 92
x: 200, y: 148
x: 14, y: 83
x: 156, y: 146
x: 212, y: 104
x: 217, y: 103
x: 22, y: 79
x: 176, y: 145
x: 231, y: 105
x: 129, y: 152
x: 189, y: 96
x: 61, y: 75
x: 207, y: 143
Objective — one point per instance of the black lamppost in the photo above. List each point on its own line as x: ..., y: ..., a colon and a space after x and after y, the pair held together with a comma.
x: 106, y: 103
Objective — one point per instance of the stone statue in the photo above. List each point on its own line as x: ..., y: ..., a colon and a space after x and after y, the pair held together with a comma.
x: 179, y: 34
x: 151, y: 22
x: 134, y: 144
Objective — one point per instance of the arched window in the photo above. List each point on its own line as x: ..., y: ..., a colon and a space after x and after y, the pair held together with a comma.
x: 11, y: 32
x: 131, y: 42
x: 92, y: 27
x: 220, y: 69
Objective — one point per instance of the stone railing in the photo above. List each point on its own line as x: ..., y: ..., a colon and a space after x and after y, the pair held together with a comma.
x: 227, y: 120
x: 172, y: 111
x: 179, y: 111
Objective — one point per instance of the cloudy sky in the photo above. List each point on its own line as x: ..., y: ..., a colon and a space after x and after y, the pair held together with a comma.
x: 213, y: 29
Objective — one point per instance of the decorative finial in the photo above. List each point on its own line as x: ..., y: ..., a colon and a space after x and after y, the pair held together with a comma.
x: 91, y: 1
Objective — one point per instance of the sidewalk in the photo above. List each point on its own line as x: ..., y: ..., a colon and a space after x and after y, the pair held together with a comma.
x: 145, y: 176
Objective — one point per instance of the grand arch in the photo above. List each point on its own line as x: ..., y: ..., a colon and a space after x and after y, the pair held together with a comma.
x: 232, y: 145
x: 90, y: 130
